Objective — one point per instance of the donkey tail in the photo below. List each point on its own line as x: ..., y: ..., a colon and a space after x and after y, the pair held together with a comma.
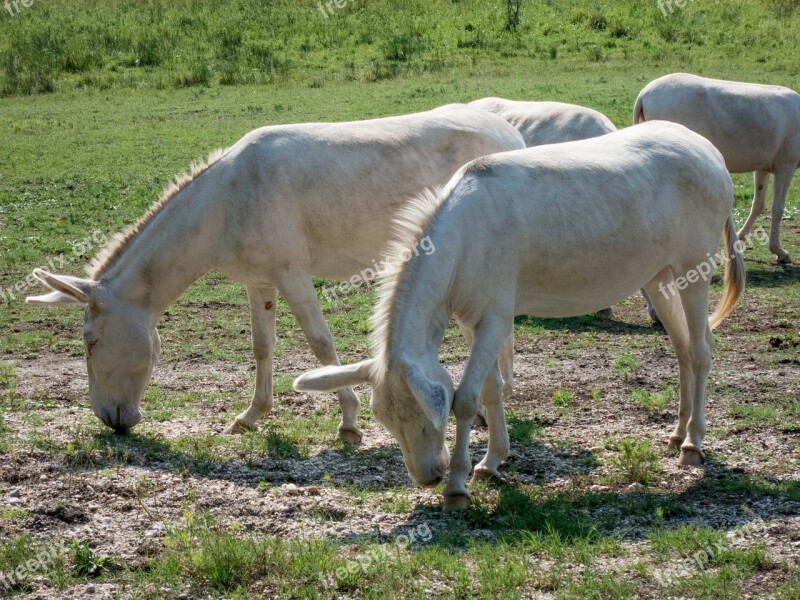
x: 638, y: 111
x: 734, y: 275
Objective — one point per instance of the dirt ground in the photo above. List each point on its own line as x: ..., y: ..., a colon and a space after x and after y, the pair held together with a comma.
x: 126, y: 506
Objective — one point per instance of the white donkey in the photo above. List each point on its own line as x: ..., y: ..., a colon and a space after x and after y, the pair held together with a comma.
x: 282, y: 204
x: 553, y: 231
x: 543, y: 123
x: 755, y: 127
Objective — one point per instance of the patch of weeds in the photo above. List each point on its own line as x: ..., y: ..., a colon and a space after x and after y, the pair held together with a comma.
x: 591, y: 584
x: 280, y: 446
x: 5, y: 446
x: 636, y: 461
x: 282, y: 383
x: 563, y: 398
x: 88, y: 452
x: 212, y: 558
x: 625, y: 365
x: 754, y: 415
x: 551, y: 363
x: 10, y: 514
x: 654, y: 402
x: 596, y: 394
x: 87, y: 562
x: 521, y: 430
x: 263, y: 486
x: 710, y: 568
x: 8, y: 384
x: 19, y: 555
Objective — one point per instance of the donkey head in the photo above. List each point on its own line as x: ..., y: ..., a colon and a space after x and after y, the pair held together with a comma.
x: 121, y: 346
x: 412, y: 404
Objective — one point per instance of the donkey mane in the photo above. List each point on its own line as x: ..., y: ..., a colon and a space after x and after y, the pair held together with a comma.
x: 116, y: 246
x: 409, y: 224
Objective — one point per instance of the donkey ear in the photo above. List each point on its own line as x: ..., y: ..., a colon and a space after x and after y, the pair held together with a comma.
x: 432, y: 396
x: 334, y: 377
x: 68, y: 290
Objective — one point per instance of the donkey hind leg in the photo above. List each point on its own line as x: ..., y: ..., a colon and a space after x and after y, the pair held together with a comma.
x: 263, y: 307
x: 695, y: 307
x: 783, y: 177
x: 666, y: 300
x: 298, y: 290
x: 760, y: 182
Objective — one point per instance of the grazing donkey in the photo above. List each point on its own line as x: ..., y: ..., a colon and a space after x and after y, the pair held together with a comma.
x: 542, y: 123
x: 553, y: 231
x: 755, y: 127
x: 282, y: 204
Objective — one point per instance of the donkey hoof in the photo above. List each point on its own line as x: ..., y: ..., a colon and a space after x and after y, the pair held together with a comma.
x: 674, y: 444
x: 784, y: 258
x: 691, y: 458
x: 486, y: 474
x: 457, y: 502
x: 351, y: 436
x: 239, y: 427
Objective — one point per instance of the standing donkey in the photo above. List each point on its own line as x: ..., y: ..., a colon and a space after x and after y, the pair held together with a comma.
x: 553, y: 231
x: 282, y: 204
x: 755, y: 127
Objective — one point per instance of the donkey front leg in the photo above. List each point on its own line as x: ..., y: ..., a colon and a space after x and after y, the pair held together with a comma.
x: 263, y: 309
x: 301, y: 297
x: 488, y: 339
x: 499, y: 446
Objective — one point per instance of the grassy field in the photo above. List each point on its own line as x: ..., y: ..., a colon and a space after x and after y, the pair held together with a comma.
x: 103, y: 102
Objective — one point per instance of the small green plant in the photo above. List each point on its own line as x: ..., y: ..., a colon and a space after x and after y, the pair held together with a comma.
x: 636, y: 461
x: 596, y: 394
x: 654, y: 402
x: 562, y: 398
x: 625, y: 365
x: 8, y: 383
x: 263, y: 486
x: 87, y: 562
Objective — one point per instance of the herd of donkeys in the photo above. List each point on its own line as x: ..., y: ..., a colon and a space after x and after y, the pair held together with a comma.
x: 537, y: 208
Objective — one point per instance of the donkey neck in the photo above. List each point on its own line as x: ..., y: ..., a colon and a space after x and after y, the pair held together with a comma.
x: 420, y: 308
x: 171, y: 251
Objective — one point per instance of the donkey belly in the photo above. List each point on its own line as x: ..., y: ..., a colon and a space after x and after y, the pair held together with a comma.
x: 573, y: 288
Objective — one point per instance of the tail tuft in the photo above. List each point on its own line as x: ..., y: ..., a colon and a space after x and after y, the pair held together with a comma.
x: 734, y: 275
